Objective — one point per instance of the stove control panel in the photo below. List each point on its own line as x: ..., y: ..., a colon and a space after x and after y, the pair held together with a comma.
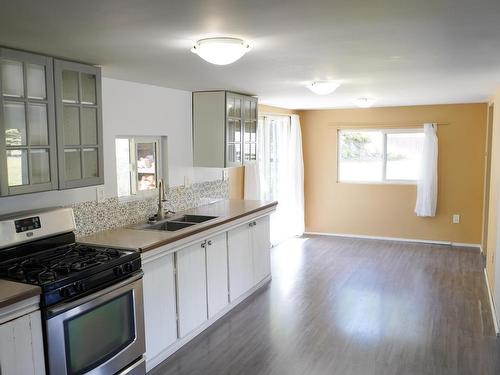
x: 30, y: 223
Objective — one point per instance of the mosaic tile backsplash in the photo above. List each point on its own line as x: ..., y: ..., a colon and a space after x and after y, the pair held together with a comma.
x: 112, y: 213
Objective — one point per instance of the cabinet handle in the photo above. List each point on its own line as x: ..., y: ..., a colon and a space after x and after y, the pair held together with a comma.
x: 250, y: 224
x: 254, y: 223
x: 203, y: 244
x: 209, y: 243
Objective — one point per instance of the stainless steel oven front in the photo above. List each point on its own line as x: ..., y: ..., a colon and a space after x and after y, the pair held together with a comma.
x: 98, y: 334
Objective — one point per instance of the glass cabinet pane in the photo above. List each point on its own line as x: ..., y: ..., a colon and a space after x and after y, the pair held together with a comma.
x: 234, y: 153
x: 72, y: 164
x: 15, y: 124
x: 71, y: 125
x: 88, y: 88
x: 253, y: 110
x: 40, y: 169
x: 12, y: 78
x: 250, y: 131
x: 37, y: 120
x: 17, y: 167
x: 36, y: 81
x: 234, y: 130
x: 70, y: 86
x: 90, y: 164
x: 247, y: 109
x: 237, y: 107
x: 89, y: 126
x: 230, y: 106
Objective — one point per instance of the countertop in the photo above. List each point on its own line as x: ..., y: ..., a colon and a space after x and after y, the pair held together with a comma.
x: 12, y: 292
x: 144, y: 240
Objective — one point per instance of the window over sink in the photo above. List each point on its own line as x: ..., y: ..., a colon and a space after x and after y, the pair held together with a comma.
x: 138, y: 164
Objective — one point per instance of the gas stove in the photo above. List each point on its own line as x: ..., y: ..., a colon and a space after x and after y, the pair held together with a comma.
x: 63, y: 268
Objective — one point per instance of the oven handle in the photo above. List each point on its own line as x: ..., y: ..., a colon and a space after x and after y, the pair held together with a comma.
x: 58, y: 309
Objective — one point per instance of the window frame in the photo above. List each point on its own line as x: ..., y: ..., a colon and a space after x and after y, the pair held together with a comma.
x: 135, y: 193
x: 384, y: 132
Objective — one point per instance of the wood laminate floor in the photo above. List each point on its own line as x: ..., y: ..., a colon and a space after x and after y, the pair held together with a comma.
x: 352, y: 306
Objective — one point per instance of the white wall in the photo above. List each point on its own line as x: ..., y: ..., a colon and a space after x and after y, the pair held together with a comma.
x: 129, y: 108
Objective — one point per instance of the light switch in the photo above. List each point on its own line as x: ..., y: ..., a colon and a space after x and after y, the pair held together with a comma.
x: 456, y: 219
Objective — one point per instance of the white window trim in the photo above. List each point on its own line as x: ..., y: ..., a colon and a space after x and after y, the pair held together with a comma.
x: 136, y: 195
x: 384, y: 132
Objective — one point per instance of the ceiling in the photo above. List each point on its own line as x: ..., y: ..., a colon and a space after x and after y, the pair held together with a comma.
x: 401, y: 52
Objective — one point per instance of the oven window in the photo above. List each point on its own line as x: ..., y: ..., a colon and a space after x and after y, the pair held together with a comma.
x: 98, y: 334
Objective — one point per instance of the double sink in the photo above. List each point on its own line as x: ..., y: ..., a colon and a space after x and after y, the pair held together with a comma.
x: 176, y: 223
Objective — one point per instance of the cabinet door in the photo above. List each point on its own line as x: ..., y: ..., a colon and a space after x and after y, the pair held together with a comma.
x: 240, y: 261
x: 249, y: 129
x: 261, y: 247
x: 234, y: 129
x: 28, y: 155
x: 217, y: 286
x: 79, y: 124
x: 21, y: 346
x: 191, y: 287
x: 160, y: 317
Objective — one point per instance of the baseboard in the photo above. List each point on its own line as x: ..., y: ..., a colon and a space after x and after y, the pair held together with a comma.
x: 492, y: 304
x: 160, y: 357
x: 398, y: 239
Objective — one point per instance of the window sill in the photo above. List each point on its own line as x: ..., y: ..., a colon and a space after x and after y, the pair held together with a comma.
x: 139, y: 197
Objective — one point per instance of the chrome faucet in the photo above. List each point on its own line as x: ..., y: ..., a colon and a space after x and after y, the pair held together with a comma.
x: 160, y: 215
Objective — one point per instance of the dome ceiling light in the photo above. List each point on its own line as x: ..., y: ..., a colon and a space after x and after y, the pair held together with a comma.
x: 365, y: 102
x: 220, y: 50
x: 323, y: 87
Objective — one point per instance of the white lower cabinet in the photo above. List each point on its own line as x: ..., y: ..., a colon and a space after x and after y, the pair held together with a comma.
x: 240, y: 261
x: 217, y: 283
x: 159, y: 304
x: 191, y: 287
x: 21, y: 346
x: 261, y: 248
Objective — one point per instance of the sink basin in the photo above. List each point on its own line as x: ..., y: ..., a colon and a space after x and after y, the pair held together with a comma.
x: 193, y: 218
x: 170, y: 226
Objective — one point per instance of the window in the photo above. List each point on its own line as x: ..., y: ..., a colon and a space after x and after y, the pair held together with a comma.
x: 379, y: 155
x: 138, y: 166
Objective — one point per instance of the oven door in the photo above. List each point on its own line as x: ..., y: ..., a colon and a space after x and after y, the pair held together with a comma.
x: 101, y: 333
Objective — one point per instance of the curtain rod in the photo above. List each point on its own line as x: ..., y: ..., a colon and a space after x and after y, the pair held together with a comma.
x: 383, y: 124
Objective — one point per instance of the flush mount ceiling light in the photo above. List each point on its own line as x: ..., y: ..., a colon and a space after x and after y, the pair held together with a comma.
x: 365, y: 102
x: 220, y: 50
x: 323, y: 87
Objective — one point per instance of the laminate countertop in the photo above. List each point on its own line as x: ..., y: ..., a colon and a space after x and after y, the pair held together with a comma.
x: 12, y: 292
x: 131, y: 238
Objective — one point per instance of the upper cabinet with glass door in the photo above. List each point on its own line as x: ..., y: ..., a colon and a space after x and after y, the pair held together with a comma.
x: 224, y: 129
x: 28, y: 158
x: 79, y: 124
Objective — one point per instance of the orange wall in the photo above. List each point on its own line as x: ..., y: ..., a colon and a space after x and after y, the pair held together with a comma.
x: 388, y: 210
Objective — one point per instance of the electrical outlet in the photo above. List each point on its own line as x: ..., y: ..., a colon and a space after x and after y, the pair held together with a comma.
x: 99, y: 193
x: 456, y: 219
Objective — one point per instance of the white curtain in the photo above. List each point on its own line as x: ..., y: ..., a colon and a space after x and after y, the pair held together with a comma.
x: 281, y: 171
x: 427, y: 187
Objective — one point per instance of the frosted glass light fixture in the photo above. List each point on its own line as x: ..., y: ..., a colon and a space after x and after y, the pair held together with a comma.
x: 323, y: 87
x: 220, y: 50
x: 365, y: 102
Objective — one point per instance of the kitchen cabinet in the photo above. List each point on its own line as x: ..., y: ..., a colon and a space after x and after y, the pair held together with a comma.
x: 249, y: 256
x: 28, y: 159
x: 240, y: 261
x: 217, y: 282
x: 261, y: 248
x: 160, y: 316
x: 191, y: 287
x: 224, y: 129
x: 21, y: 346
x: 79, y: 124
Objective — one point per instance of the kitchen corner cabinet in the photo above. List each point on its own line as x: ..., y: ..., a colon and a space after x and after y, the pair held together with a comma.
x: 224, y: 129
x: 28, y: 155
x: 79, y: 124
x: 21, y: 346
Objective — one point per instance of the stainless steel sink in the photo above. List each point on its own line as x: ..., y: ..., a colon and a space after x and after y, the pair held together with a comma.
x: 170, y: 226
x: 193, y: 218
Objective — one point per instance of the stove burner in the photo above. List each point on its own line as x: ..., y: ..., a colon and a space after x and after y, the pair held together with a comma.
x: 52, y: 265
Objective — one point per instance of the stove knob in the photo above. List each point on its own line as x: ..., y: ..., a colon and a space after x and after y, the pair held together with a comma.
x: 65, y: 292
x: 79, y: 286
x: 118, y: 271
x: 129, y: 267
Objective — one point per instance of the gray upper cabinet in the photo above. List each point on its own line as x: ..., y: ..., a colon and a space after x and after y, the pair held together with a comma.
x: 28, y: 154
x: 79, y: 124
x: 224, y: 129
